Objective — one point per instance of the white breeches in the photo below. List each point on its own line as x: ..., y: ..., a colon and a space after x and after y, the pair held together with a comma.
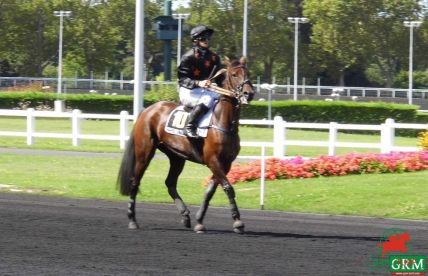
x: 193, y: 97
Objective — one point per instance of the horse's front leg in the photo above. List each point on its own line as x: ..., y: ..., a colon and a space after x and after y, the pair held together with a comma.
x: 238, y: 225
x: 212, y: 186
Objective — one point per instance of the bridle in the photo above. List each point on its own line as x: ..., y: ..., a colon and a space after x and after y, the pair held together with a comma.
x: 235, y: 96
x: 238, y: 91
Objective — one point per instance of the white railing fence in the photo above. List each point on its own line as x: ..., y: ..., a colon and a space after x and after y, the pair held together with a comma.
x: 279, y: 141
x: 76, y: 134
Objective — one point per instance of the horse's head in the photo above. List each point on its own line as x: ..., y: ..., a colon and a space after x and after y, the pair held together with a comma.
x: 237, y: 80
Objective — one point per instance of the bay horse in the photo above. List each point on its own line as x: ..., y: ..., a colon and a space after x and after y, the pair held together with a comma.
x: 217, y: 151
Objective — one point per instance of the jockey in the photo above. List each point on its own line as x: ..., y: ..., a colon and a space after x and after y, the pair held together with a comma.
x: 196, y: 67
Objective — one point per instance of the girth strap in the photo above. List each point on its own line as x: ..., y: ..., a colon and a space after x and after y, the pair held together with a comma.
x: 219, y: 128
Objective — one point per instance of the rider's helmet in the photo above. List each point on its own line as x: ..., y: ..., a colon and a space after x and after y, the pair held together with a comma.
x: 200, y: 32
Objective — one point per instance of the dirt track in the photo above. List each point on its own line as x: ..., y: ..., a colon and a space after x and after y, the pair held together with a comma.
x: 55, y: 236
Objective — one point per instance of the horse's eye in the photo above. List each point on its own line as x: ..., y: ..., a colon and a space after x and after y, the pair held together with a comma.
x: 234, y: 75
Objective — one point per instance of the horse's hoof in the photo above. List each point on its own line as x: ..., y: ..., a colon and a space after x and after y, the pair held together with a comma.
x: 238, y: 227
x: 133, y: 225
x: 186, y: 221
x: 200, y: 228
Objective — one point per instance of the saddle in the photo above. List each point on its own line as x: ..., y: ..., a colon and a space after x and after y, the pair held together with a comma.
x: 179, y: 117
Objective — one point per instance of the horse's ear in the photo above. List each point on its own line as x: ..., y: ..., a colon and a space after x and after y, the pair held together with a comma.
x: 226, y: 61
x: 243, y: 61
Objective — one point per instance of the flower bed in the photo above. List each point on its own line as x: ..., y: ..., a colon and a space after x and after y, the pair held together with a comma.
x: 331, y: 166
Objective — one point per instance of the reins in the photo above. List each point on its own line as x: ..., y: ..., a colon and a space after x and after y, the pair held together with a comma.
x: 224, y: 91
x: 220, y: 90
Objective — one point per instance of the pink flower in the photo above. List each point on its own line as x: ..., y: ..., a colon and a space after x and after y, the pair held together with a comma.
x: 330, y: 166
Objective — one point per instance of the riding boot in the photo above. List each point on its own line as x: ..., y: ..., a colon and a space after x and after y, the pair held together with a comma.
x: 191, y: 128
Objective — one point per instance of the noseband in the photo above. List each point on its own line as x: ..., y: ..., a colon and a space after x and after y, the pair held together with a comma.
x: 241, y: 86
x: 236, y: 92
x: 235, y: 96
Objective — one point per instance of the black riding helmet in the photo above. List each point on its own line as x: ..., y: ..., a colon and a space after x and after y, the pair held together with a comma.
x: 200, y: 31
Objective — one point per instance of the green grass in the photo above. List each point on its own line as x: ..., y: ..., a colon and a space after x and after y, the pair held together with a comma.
x: 387, y: 195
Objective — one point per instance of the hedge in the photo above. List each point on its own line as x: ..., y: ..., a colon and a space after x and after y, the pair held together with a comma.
x: 87, y: 103
x: 337, y: 111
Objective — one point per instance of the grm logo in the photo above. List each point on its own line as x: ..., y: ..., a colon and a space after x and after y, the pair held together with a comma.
x: 407, y: 264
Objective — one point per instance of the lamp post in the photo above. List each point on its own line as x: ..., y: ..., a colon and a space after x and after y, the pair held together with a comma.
x: 61, y: 15
x: 269, y: 88
x: 411, y: 25
x: 179, y: 17
x: 138, y: 103
x: 59, y: 105
x: 296, y: 21
x: 245, y: 30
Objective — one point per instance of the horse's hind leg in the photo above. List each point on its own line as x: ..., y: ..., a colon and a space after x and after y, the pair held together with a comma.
x: 175, y: 169
x: 143, y: 159
x: 131, y: 206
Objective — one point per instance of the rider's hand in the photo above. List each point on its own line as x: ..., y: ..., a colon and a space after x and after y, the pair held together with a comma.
x: 204, y: 83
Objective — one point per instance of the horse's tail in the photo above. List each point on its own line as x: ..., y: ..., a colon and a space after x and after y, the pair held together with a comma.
x: 126, y: 171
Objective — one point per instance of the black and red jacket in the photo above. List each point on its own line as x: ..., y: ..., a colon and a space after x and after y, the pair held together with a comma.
x: 197, y: 64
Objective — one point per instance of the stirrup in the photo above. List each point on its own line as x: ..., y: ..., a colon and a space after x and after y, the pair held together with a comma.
x: 191, y: 132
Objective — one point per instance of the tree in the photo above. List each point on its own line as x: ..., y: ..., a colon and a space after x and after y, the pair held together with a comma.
x: 269, y: 44
x: 351, y: 32
x: 121, y: 15
x: 96, y: 37
x: 27, y: 40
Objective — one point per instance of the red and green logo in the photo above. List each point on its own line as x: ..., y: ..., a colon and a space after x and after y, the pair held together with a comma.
x: 394, y: 253
x: 407, y: 265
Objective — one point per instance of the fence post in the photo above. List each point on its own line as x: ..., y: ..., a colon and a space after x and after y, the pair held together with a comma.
x: 332, y: 138
x: 123, y: 128
x: 105, y: 79
x: 387, y: 136
x: 75, y: 127
x: 258, y: 85
x: 303, y: 86
x: 121, y: 81
x: 31, y: 126
x: 318, y: 86
x: 278, y: 137
x: 262, y: 178
x: 91, y: 83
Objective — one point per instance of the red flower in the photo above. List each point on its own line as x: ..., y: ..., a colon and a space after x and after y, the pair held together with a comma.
x: 299, y: 167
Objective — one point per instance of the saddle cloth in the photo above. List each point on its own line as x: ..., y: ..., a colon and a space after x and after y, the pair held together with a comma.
x: 178, y: 118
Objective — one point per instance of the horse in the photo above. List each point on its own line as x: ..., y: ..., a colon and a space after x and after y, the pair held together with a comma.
x: 217, y: 151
